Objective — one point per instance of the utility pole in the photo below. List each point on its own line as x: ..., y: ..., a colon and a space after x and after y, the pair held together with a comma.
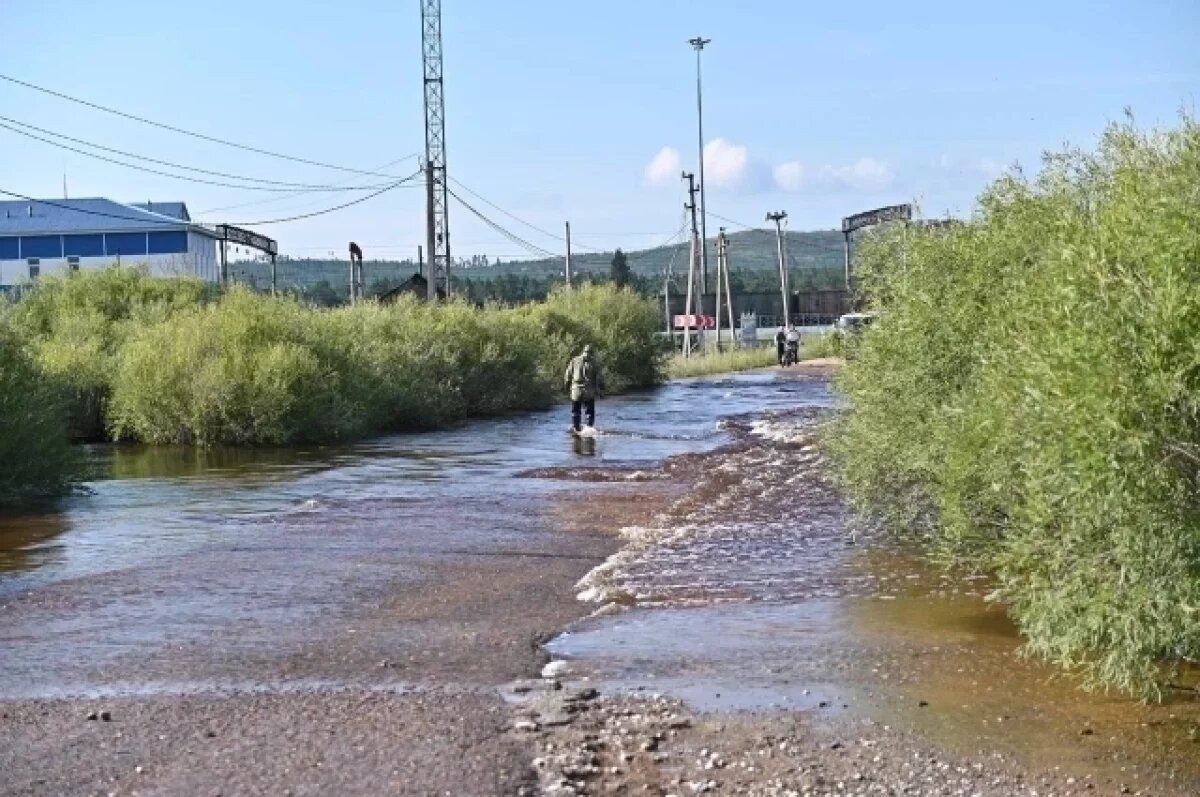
x: 420, y: 261
x: 568, y: 265
x: 693, y: 261
x: 723, y: 275
x: 778, y: 218
x: 437, y: 218
x: 720, y: 267
x: 698, y: 45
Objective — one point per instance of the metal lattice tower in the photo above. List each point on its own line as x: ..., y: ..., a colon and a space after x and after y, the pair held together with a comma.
x: 437, y: 210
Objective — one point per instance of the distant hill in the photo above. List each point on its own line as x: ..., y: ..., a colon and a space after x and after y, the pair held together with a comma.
x: 750, y: 251
x: 753, y: 250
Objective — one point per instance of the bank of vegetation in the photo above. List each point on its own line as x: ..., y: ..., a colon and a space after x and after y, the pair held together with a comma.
x: 1029, y: 401
x: 118, y: 355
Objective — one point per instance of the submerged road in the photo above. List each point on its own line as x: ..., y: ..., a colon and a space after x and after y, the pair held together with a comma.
x: 372, y: 619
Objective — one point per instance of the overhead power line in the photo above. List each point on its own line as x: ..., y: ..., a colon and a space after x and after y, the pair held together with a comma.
x: 285, y: 197
x: 285, y: 185
x: 511, y: 236
x: 192, y: 134
x: 518, y: 219
x: 176, y: 222
x: 160, y: 172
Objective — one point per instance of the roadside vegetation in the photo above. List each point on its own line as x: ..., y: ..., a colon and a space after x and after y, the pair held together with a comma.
x: 35, y: 452
x: 115, y: 354
x: 680, y: 367
x: 1029, y: 401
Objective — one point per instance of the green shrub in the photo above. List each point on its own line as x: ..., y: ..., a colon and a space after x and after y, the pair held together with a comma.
x: 251, y: 369
x: 74, y: 325
x: 1030, y: 399
x: 36, y: 459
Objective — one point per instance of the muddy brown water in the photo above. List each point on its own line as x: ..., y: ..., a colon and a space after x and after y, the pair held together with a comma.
x: 187, y: 572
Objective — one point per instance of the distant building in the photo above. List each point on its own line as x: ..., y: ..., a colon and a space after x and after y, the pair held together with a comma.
x: 416, y: 285
x: 63, y: 235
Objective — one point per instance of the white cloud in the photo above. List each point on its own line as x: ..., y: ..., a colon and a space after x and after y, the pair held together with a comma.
x: 664, y: 168
x: 725, y: 163
x: 865, y: 175
x: 789, y: 176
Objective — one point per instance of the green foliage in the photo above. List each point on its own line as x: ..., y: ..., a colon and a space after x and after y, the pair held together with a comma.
x: 1030, y: 399
x: 619, y: 271
x: 252, y: 369
x: 622, y: 326
x: 721, y: 362
x: 36, y: 460
x: 76, y: 323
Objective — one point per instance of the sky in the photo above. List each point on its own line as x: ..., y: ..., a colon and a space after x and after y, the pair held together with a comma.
x: 585, y: 112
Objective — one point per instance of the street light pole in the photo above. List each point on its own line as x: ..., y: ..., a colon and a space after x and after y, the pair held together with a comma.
x: 698, y: 44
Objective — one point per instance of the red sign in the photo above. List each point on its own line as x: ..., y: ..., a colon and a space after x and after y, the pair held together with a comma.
x: 695, y: 321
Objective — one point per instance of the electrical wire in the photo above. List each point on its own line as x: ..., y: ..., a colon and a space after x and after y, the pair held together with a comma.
x: 147, y: 169
x: 518, y: 219
x: 181, y: 131
x: 357, y: 201
x: 176, y: 222
x: 278, y: 198
x: 285, y: 184
x: 511, y: 236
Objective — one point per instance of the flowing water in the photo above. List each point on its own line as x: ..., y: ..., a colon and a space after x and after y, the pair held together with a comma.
x: 752, y: 589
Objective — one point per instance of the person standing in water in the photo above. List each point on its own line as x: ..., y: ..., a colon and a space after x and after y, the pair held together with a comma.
x: 583, y: 381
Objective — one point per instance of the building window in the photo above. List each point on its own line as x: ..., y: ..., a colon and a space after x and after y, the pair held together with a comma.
x: 35, y: 267
x: 73, y: 263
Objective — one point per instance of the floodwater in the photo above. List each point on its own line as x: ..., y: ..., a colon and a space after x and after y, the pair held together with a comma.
x: 756, y: 591
x: 752, y: 589
x: 189, y: 571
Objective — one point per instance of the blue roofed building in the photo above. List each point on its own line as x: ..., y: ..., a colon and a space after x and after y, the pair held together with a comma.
x: 61, y: 235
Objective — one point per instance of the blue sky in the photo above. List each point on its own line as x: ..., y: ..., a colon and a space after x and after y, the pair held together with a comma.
x: 584, y: 111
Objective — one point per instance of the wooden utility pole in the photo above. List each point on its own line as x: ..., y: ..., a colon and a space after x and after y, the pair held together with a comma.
x: 567, y: 271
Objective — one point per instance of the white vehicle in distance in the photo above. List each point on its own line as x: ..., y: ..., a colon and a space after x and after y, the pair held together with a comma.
x: 854, y: 322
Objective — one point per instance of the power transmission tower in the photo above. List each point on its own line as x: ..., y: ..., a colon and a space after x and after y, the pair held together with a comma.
x: 778, y: 218
x: 437, y: 219
x: 698, y: 45
x: 690, y: 306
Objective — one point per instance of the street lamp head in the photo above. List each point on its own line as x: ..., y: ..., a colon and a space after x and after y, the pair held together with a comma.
x: 698, y: 42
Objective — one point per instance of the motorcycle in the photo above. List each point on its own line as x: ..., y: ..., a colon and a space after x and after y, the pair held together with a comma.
x: 791, y: 353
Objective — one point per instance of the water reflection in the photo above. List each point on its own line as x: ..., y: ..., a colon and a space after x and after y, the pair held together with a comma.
x: 26, y: 539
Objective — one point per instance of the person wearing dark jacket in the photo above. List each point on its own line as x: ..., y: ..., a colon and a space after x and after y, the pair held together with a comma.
x: 583, y: 381
x: 780, y: 341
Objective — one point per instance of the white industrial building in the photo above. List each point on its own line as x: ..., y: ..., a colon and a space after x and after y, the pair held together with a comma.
x: 55, y: 236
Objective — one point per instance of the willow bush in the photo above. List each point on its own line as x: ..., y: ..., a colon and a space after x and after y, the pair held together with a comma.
x: 76, y: 323
x: 1030, y: 400
x: 251, y: 369
x: 36, y: 459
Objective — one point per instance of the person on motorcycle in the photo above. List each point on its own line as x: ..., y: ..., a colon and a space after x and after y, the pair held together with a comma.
x: 780, y: 340
x: 792, y: 351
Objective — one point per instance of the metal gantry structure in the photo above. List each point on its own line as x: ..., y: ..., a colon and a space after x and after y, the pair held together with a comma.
x: 437, y: 208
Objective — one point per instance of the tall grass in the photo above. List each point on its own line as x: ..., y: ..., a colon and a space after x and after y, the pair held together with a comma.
x: 723, y: 362
x: 1030, y: 400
